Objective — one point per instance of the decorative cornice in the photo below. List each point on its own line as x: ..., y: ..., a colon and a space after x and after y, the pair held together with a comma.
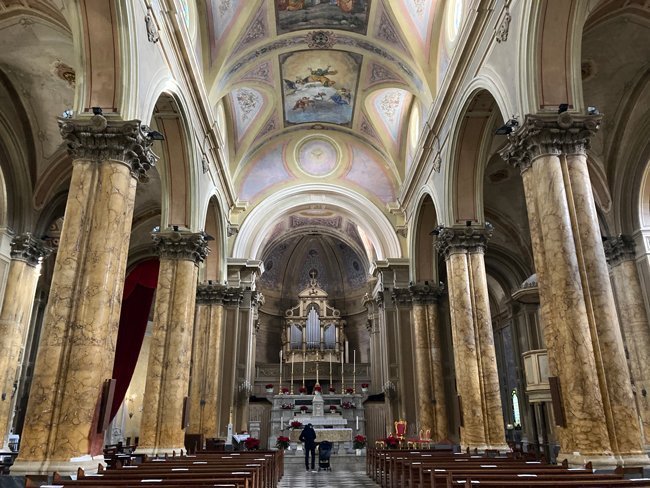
x: 619, y: 249
x: 462, y: 239
x: 211, y: 293
x: 25, y: 247
x: 401, y: 296
x: 181, y: 245
x: 257, y: 299
x: 549, y: 134
x: 423, y: 293
x: 98, y: 139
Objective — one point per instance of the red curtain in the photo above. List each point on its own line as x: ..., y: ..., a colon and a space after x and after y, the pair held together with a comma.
x: 139, y: 289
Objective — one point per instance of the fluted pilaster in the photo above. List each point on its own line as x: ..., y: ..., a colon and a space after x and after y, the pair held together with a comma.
x: 77, y: 345
x: 167, y: 382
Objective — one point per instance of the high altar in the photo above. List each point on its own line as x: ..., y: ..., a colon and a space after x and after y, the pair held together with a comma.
x: 313, y: 343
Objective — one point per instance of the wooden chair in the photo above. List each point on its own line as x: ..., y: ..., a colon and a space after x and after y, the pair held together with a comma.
x: 400, y: 432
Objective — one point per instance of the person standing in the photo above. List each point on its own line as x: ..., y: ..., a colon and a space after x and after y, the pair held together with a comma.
x: 308, y: 436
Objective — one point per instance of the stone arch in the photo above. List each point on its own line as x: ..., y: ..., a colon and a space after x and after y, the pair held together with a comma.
x: 381, y: 234
x: 424, y: 256
x: 472, y: 141
x: 551, y: 55
x: 177, y: 166
x: 215, y: 227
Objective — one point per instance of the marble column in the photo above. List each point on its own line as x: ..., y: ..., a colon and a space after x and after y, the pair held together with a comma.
x: 77, y: 344
x: 207, y: 358
x: 537, y: 149
x: 230, y: 324
x: 625, y: 436
x: 430, y: 391
x: 168, y: 372
x: 27, y: 252
x: 634, y: 321
x: 477, y: 380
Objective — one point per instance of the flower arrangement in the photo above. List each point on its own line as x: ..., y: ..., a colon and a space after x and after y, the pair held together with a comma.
x: 303, y: 408
x: 287, y: 406
x: 332, y: 407
x: 296, y: 424
x: 332, y: 389
x: 269, y: 386
x: 391, y: 441
x: 318, y: 388
x: 252, y: 444
x: 349, y: 391
x: 285, y: 390
x: 364, y: 385
x: 282, y: 442
x: 302, y: 389
x: 359, y: 442
x: 347, y: 405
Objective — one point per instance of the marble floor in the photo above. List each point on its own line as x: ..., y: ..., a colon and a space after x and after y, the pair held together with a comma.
x: 346, y: 472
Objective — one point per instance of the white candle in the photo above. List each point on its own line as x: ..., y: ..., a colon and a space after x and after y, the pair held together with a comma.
x: 354, y: 361
x: 280, y: 390
x: 282, y: 423
x: 357, y: 422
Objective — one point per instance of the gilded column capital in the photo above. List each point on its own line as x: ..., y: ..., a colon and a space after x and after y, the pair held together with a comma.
x: 179, y: 245
x: 549, y: 134
x: 211, y: 293
x: 618, y: 249
x: 462, y: 239
x: 401, y: 296
x: 99, y: 139
x: 25, y: 247
x: 422, y: 294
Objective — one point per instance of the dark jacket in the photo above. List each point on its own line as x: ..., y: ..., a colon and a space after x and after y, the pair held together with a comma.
x: 308, y: 435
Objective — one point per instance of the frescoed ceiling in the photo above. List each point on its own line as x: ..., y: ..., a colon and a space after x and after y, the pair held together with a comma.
x: 319, y: 91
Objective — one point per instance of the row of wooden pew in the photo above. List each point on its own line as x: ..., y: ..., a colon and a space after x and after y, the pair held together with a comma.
x: 247, y: 469
x: 437, y: 469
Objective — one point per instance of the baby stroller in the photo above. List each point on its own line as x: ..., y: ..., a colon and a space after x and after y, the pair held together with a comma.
x: 324, y: 454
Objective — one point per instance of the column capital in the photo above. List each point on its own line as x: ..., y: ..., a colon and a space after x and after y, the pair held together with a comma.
x: 99, y: 139
x: 462, y: 239
x: 422, y: 294
x: 233, y: 296
x: 25, y: 247
x: 618, y: 249
x: 549, y: 134
x: 181, y: 245
x: 211, y: 293
x: 401, y: 296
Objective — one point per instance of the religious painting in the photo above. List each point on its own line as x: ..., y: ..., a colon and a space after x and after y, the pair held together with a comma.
x: 349, y: 15
x: 319, y: 86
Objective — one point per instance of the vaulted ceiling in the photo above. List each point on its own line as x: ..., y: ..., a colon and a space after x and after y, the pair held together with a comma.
x: 320, y: 90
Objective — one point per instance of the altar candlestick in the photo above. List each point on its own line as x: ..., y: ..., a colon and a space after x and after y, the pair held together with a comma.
x: 330, y: 368
x: 280, y: 385
x: 291, y: 386
x: 317, y: 358
x: 354, y: 371
x: 303, y: 368
x: 342, y: 374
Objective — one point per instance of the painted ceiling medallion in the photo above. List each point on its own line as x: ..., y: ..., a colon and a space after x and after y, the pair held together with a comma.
x: 317, y: 157
x: 320, y: 39
x: 319, y: 86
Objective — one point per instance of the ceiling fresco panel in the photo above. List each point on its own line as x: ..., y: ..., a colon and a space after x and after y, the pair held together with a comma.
x: 348, y: 15
x: 319, y: 86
